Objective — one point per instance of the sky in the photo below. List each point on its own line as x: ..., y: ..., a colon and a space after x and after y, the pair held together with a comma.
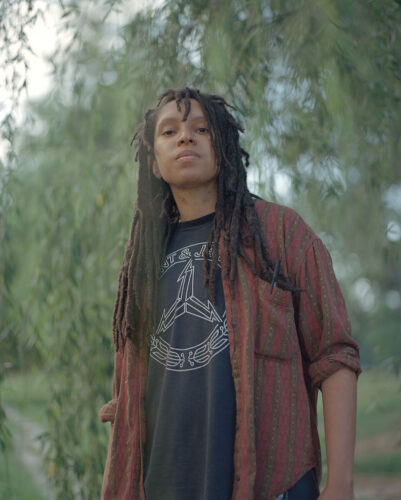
x: 44, y: 36
x: 48, y: 32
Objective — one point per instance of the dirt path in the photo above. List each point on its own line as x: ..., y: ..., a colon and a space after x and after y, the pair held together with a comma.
x: 28, y: 449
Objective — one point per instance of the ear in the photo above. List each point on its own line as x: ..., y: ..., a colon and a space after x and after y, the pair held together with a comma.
x: 155, y: 170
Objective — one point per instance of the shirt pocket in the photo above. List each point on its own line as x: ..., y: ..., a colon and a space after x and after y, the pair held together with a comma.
x: 275, y: 326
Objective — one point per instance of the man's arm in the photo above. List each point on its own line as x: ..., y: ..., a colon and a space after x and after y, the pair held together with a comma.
x: 339, y: 409
x: 332, y: 356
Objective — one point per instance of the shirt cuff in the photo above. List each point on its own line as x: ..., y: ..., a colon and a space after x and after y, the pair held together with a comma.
x: 347, y: 357
x: 108, y: 411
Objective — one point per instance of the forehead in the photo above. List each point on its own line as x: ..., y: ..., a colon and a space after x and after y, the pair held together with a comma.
x: 170, y: 110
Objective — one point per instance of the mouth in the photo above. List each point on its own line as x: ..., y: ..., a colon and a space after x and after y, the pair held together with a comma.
x: 187, y: 154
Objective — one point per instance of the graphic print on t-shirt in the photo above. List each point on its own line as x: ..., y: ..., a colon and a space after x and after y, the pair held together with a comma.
x: 185, y: 266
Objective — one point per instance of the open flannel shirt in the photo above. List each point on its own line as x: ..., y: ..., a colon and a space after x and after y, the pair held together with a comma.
x: 282, y: 347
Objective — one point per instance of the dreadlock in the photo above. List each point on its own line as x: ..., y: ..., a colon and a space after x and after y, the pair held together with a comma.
x: 156, y: 215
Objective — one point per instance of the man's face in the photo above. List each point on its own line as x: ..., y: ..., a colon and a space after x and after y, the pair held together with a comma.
x: 184, y: 155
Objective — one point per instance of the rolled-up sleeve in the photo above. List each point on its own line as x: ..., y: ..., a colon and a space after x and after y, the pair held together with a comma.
x: 322, y: 322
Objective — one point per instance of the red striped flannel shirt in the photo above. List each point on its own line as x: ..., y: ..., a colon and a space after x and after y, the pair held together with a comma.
x: 282, y: 347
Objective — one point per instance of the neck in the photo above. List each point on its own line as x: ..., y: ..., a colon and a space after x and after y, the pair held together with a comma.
x: 195, y: 203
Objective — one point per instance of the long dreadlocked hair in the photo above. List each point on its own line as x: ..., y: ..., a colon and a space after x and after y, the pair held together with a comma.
x: 156, y: 215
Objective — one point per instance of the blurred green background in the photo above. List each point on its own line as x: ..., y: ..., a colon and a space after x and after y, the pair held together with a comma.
x: 317, y: 86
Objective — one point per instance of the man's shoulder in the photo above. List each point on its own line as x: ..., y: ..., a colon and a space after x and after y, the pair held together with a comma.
x: 285, y: 232
x: 282, y: 223
x: 278, y: 215
x: 274, y: 209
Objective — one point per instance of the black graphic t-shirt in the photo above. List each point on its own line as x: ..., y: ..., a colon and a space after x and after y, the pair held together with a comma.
x: 190, y: 398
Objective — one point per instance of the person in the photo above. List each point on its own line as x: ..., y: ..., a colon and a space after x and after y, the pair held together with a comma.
x: 228, y: 320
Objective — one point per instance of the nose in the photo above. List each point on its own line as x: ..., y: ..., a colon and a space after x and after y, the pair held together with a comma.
x: 186, y: 136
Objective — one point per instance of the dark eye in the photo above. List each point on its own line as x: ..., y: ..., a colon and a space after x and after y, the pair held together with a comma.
x: 202, y: 130
x: 168, y: 132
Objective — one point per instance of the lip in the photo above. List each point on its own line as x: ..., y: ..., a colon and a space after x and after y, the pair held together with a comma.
x: 187, y: 153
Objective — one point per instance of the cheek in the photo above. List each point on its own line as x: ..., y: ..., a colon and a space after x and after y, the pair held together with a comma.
x: 213, y: 157
x: 158, y: 155
x: 156, y: 170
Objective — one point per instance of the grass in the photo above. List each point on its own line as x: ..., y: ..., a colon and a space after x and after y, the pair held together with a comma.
x: 379, y: 403
x: 378, y: 450
x: 380, y: 465
x: 27, y: 393
x: 15, y: 482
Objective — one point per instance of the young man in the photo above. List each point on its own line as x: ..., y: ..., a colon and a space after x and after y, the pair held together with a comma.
x: 228, y: 319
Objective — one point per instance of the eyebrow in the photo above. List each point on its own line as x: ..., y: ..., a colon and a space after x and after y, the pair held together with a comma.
x: 172, y: 119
